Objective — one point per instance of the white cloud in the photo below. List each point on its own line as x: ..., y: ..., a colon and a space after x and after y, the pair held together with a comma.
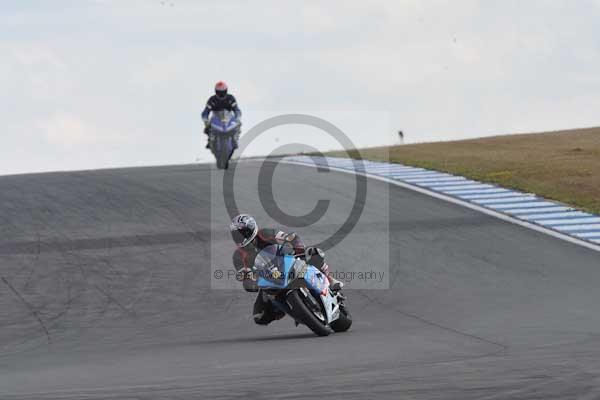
x: 130, y: 79
x: 69, y: 130
x: 34, y: 70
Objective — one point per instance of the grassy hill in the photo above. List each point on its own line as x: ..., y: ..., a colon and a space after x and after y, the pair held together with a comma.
x: 561, y: 165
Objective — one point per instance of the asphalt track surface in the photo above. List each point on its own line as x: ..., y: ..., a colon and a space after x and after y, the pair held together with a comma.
x: 105, y: 293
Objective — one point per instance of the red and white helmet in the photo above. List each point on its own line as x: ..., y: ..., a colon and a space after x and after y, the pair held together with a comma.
x: 221, y: 89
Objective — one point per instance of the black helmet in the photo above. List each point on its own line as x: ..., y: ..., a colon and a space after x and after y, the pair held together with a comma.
x: 243, y: 229
x: 221, y: 89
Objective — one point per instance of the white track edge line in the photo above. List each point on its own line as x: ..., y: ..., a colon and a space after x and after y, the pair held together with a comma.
x: 463, y: 203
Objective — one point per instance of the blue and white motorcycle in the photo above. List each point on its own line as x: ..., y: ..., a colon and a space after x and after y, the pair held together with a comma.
x: 224, y: 126
x: 300, y: 290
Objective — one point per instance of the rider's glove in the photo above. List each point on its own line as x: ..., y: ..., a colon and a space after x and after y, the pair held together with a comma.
x: 244, y: 273
x: 315, y: 256
x: 290, y: 237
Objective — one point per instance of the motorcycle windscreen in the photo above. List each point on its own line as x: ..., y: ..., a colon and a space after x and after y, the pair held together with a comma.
x: 272, y: 265
x: 223, y: 121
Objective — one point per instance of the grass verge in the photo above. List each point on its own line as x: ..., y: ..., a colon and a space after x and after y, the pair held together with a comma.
x: 562, y: 165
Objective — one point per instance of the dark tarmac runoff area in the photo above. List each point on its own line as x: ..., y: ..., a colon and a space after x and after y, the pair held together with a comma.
x: 108, y: 291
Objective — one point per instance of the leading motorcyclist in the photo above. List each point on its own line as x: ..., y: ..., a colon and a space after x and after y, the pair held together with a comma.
x: 250, y: 241
x: 220, y: 101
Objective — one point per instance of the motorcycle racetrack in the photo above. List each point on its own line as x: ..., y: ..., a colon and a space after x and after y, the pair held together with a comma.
x: 108, y: 291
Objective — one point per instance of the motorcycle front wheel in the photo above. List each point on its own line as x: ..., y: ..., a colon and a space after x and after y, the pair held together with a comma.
x: 309, y: 312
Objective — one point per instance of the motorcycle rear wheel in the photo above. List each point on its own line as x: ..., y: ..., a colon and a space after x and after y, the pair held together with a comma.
x: 344, y: 321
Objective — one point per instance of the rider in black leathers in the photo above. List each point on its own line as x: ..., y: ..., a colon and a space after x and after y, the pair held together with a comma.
x: 220, y: 101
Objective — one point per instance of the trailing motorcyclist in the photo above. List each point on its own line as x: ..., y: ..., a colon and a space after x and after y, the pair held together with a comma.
x: 250, y: 241
x: 220, y: 101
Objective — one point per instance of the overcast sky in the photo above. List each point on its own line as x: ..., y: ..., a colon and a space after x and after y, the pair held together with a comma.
x: 116, y: 83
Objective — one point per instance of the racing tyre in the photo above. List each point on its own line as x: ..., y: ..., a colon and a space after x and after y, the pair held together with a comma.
x: 304, y: 309
x: 222, y: 156
x: 344, y: 322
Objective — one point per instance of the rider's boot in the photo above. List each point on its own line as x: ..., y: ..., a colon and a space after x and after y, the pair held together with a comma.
x: 207, y: 133
x: 263, y: 312
x: 236, y: 139
x: 334, y: 284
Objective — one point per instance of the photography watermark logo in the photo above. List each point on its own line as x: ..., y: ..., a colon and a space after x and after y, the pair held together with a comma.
x: 372, y: 277
x: 258, y: 175
x: 267, y: 169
